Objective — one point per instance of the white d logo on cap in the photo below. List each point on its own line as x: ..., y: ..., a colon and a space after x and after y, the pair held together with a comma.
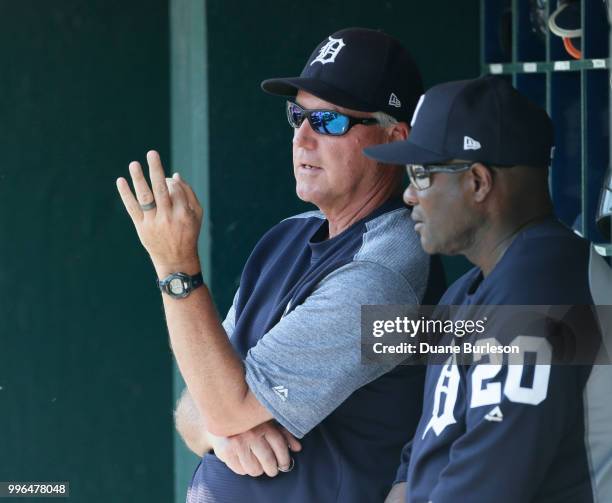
x: 328, y: 53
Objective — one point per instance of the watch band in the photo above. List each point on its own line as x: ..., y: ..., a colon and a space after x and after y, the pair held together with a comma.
x: 197, y: 280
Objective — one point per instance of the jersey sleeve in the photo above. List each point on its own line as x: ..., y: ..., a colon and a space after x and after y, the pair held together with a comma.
x: 310, y: 362
x: 518, y: 418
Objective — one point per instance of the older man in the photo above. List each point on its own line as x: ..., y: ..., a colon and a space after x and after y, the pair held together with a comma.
x: 478, y: 159
x: 292, y: 359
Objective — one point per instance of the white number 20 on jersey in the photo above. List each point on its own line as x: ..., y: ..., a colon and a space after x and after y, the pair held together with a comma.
x: 490, y: 393
x: 487, y: 391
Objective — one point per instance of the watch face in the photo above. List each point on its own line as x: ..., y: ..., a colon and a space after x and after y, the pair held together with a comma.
x: 176, y: 286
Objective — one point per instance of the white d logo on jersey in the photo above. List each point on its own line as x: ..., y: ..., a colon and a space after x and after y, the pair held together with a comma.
x: 447, y: 386
x: 328, y: 53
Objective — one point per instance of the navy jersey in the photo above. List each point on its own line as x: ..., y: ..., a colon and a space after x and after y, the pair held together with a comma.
x: 295, y: 322
x: 508, y: 433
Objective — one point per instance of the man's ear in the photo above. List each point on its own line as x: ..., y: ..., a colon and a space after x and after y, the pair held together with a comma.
x: 399, y: 132
x: 481, y: 180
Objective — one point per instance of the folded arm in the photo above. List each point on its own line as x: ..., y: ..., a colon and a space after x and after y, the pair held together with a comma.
x: 264, y: 449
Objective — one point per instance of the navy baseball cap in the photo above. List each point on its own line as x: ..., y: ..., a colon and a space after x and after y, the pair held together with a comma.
x: 482, y: 120
x: 358, y: 68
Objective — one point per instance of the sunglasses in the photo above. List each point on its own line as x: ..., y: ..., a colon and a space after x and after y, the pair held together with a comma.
x: 420, y: 175
x: 329, y: 122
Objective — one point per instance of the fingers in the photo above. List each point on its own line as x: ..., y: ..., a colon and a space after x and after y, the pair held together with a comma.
x: 191, y: 197
x: 165, y: 192
x: 177, y: 194
x: 233, y: 463
x: 158, y: 181
x: 129, y: 201
x: 278, y: 443
x: 293, y: 443
x: 265, y: 449
x: 141, y: 187
x: 224, y: 451
x: 167, y: 226
x: 247, y: 459
x: 266, y: 455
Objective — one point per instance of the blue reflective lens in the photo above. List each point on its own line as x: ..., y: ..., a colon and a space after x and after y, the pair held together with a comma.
x: 329, y: 122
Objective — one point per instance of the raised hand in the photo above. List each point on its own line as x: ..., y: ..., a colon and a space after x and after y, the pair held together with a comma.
x: 167, y: 216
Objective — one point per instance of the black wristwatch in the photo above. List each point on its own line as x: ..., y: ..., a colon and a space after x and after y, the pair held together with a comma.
x: 179, y: 285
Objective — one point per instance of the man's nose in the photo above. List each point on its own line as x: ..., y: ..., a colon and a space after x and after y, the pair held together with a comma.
x: 304, y: 136
x: 410, y: 196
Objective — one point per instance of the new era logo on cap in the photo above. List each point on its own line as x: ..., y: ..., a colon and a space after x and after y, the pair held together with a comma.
x: 394, y: 101
x: 470, y: 143
x: 329, y: 51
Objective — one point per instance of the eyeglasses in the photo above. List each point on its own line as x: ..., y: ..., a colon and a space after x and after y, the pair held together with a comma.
x: 329, y: 122
x: 420, y: 175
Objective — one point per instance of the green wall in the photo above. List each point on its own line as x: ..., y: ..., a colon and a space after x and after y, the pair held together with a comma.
x: 85, y: 372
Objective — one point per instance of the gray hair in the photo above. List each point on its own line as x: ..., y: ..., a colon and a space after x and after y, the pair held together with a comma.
x: 384, y: 119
